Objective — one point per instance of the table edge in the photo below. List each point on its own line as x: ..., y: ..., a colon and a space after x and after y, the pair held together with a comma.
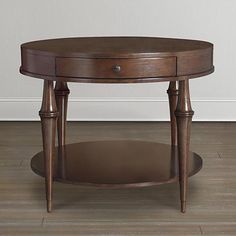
x: 118, y: 80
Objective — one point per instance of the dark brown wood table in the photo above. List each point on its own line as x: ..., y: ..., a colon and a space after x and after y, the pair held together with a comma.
x: 126, y: 163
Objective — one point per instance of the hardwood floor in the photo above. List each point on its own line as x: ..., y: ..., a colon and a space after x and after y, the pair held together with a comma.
x: 211, y: 207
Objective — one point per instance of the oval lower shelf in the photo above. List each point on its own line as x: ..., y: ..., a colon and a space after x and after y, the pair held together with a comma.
x: 123, y: 163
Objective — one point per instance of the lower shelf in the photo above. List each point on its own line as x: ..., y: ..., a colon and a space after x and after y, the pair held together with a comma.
x: 116, y: 163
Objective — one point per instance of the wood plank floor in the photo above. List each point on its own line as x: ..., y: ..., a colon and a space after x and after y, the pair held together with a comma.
x: 143, y: 211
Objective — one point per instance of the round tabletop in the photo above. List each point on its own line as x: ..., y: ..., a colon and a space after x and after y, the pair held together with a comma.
x: 116, y: 59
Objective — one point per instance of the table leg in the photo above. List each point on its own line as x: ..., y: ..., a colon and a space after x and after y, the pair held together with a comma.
x: 184, y: 115
x: 61, y: 92
x: 48, y: 115
x: 173, y: 95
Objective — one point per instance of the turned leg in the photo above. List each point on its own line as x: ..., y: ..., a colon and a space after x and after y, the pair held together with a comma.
x: 61, y: 92
x: 173, y: 95
x: 48, y: 115
x: 184, y: 115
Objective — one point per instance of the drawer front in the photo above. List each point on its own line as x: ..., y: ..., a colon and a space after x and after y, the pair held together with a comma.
x: 116, y: 68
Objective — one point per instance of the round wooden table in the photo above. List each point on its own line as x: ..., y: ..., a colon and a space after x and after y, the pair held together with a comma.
x: 126, y: 163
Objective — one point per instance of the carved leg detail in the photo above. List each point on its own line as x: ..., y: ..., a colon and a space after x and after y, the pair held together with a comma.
x: 184, y: 115
x: 61, y: 92
x: 173, y: 95
x: 48, y: 115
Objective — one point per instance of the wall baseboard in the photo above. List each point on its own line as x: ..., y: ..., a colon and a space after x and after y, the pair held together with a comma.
x: 117, y: 109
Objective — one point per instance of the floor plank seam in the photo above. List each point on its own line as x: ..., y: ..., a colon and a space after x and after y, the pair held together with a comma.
x: 42, y: 222
x: 21, y: 163
x: 201, y: 231
x: 219, y: 155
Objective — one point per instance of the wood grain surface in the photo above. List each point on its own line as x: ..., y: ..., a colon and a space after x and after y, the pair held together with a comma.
x: 91, y: 211
x: 116, y: 164
x: 105, y: 68
x: 93, y: 59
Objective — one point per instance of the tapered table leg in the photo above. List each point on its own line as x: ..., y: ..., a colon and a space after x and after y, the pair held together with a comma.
x: 48, y: 115
x: 173, y: 95
x: 61, y: 92
x: 184, y: 115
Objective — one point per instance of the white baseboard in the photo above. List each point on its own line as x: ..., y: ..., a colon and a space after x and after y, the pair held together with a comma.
x: 118, y: 109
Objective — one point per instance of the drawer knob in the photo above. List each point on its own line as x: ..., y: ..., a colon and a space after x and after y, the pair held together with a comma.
x: 116, y: 68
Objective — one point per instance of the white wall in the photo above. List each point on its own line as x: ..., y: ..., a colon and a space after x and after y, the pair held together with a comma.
x: 213, y: 96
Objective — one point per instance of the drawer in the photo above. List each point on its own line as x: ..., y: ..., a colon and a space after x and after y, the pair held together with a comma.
x: 116, y: 68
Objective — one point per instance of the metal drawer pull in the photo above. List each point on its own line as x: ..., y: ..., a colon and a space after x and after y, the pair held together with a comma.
x: 116, y: 68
